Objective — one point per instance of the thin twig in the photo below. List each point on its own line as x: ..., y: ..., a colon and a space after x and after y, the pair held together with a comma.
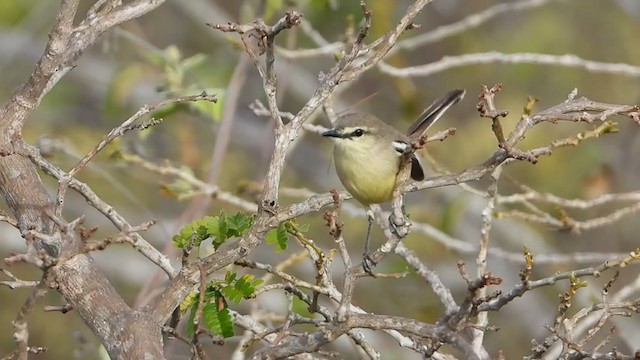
x: 470, y: 22
x: 115, y: 133
x: 94, y: 200
x: 494, y: 57
x: 481, y: 259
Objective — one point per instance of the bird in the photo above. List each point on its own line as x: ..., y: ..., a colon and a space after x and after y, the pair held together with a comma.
x: 367, y: 154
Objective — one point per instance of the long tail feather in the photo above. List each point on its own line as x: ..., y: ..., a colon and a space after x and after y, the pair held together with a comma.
x: 435, y: 111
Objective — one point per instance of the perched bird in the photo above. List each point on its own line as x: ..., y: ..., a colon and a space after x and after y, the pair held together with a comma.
x: 367, y: 154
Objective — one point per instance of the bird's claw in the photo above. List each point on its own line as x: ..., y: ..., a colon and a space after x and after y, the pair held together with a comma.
x: 399, y: 226
x: 368, y: 264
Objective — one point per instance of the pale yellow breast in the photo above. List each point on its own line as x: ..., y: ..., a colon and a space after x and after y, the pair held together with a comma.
x: 369, y: 174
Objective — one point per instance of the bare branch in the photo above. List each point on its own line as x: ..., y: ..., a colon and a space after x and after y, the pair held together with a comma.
x: 201, y: 188
x: 431, y: 277
x: 470, y: 22
x: 115, y: 133
x: 481, y: 259
x: 94, y: 200
x: 494, y: 57
x: 21, y: 333
x: 524, y: 287
x: 16, y: 283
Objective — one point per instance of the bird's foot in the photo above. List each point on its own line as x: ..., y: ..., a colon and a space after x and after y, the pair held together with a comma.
x: 399, y: 226
x: 368, y: 264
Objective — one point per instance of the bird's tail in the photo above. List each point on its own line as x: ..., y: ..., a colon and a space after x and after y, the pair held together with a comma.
x: 435, y: 111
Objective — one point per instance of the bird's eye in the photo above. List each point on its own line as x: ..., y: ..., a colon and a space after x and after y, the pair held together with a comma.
x: 358, y: 132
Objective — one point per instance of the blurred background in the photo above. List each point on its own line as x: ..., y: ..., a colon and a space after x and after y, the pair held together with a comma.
x: 172, y: 52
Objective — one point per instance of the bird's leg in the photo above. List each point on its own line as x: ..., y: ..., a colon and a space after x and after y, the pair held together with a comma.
x: 367, y: 261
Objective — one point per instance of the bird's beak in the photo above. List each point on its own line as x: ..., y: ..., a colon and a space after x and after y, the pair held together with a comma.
x: 332, y: 133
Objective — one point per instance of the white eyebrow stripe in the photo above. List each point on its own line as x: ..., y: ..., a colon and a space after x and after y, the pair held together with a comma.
x: 401, y: 147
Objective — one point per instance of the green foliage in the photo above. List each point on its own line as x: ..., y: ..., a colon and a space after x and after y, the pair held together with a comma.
x: 237, y: 224
x: 188, y: 302
x: 215, y: 311
x: 278, y: 237
x: 176, y: 82
x: 242, y: 288
x: 175, y: 68
x: 301, y: 308
x: 217, y: 228
x: 218, y: 319
x: 193, y: 234
x: 215, y: 314
x: 179, y: 187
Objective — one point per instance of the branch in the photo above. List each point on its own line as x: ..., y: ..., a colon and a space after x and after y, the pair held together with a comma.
x: 16, y: 283
x: 96, y: 301
x: 481, y: 259
x: 494, y: 57
x: 20, y: 324
x: 139, y: 243
x: 389, y: 40
x: 115, y: 133
x: 431, y: 277
x: 267, y: 214
x: 470, y: 22
x: 202, y: 188
x: 313, y: 341
x: 521, y: 288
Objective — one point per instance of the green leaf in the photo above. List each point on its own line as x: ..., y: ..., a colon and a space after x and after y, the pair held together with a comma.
x: 218, y: 228
x: 178, y: 188
x: 243, y: 288
x: 217, y: 231
x: 209, y: 296
x: 232, y: 294
x: 303, y: 227
x: 194, y: 233
x: 188, y: 302
x: 278, y: 237
x: 238, y: 224
x: 230, y: 277
x: 172, y: 54
x: 192, y: 316
x: 215, y: 312
x: 217, y: 317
